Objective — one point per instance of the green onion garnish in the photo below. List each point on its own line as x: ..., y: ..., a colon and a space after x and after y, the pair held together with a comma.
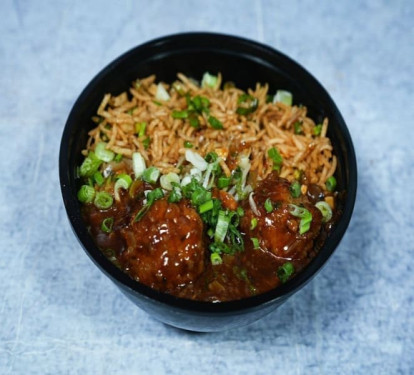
x: 255, y: 243
x: 247, y: 104
x: 211, y: 157
x: 240, y: 211
x: 285, y: 271
x: 123, y: 181
x: 222, y: 225
x: 146, y: 142
x: 107, y: 224
x: 295, y: 189
x: 297, y: 127
x: 268, y: 205
x: 90, y: 165
x: 215, y: 259
x: 304, y: 215
x: 175, y: 195
x: 317, y: 129
x: 152, y: 196
x: 325, y: 209
x: 103, y: 153
x: 157, y: 103
x: 206, y: 206
x: 140, y: 128
x: 223, y: 182
x: 99, y: 179
x: 151, y: 175
x: 215, y: 123
x: 188, y: 144
x: 209, y: 81
x: 253, y: 223
x: 331, y: 183
x: 103, y: 200
x: 193, y: 119
x: 86, y: 194
x: 277, y: 159
x: 180, y: 114
x: 118, y: 158
x: 283, y: 96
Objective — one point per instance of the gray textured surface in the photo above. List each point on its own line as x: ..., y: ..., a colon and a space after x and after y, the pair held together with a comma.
x: 60, y: 315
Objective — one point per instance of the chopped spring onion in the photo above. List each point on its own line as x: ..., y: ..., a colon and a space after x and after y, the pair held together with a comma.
x: 325, y: 210
x: 162, y: 93
x: 317, y: 129
x: 196, y: 160
x: 103, y: 153
x: 206, y: 206
x: 295, y: 189
x: 277, y: 159
x: 297, y: 127
x: 177, y: 86
x: 219, y: 248
x: 90, y: 165
x: 268, y: 205
x: 118, y: 158
x: 209, y: 81
x: 180, y: 114
x: 256, y: 244
x: 285, y: 271
x: 215, y: 123
x: 331, y: 183
x: 107, y: 225
x: 86, y: 194
x: 123, y: 181
x: 188, y: 144
x: 223, y: 182
x: 99, y: 179
x: 167, y: 180
x: 304, y: 215
x: 193, y: 119
x: 103, y: 200
x: 146, y: 142
x: 211, y: 157
x: 152, y: 196
x: 222, y: 226
x: 283, y: 96
x: 240, y: 211
x: 253, y: 205
x: 138, y: 164
x: 151, y: 175
x: 215, y: 259
x: 246, y: 104
x: 253, y: 223
x: 140, y: 128
x: 200, y: 195
x: 175, y: 195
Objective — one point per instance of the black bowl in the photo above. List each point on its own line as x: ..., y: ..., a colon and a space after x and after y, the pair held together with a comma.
x: 244, y: 62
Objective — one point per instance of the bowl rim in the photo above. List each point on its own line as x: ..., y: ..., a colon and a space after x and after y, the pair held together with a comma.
x: 122, y: 279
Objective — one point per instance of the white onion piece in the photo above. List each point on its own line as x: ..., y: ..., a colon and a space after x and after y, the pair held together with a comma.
x: 167, y: 179
x: 196, y: 160
x: 138, y: 164
x: 162, y: 93
x: 253, y: 205
x: 186, y: 180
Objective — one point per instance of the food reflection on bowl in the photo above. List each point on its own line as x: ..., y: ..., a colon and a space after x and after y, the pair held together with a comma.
x: 208, y: 203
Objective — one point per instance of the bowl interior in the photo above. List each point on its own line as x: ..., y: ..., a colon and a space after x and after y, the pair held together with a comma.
x: 241, y: 61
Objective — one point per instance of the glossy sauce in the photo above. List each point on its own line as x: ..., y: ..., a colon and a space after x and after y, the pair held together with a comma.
x: 168, y: 248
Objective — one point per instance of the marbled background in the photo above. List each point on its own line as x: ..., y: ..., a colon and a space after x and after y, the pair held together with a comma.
x: 60, y: 315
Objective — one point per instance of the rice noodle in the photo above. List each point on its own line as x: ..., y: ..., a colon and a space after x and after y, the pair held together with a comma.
x: 271, y: 125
